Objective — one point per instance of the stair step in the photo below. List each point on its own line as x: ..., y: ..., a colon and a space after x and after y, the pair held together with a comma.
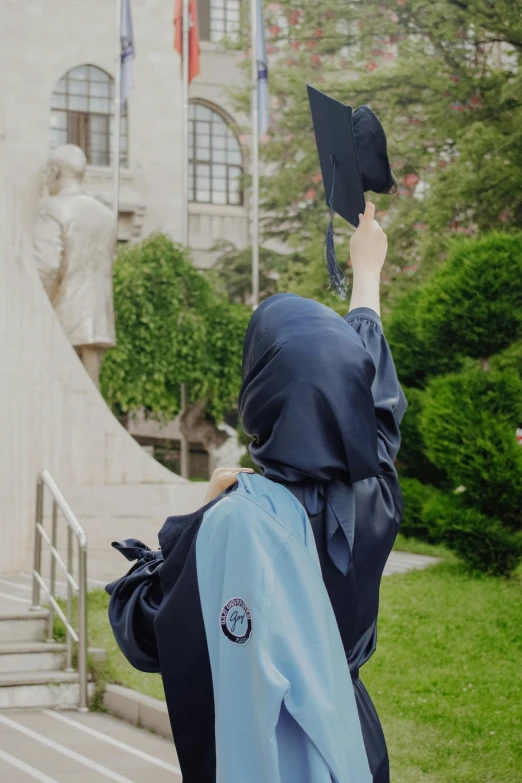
x: 39, y: 689
x: 31, y: 656
x: 10, y: 648
x: 36, y: 678
x: 23, y: 627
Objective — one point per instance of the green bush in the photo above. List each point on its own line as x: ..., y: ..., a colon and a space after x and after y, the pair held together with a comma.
x: 484, y: 543
x: 416, y: 495
x: 412, y: 460
x: 171, y: 328
x: 458, y: 341
x: 414, y: 358
x: 473, y: 304
x: 509, y: 359
x: 246, y: 460
x: 242, y: 438
x: 468, y: 424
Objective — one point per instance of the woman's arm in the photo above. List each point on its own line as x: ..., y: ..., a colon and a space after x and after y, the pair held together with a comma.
x: 368, y: 247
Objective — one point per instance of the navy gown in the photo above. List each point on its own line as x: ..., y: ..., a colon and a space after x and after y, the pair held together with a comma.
x: 378, y: 510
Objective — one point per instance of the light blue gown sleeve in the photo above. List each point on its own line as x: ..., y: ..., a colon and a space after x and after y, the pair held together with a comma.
x: 319, y: 725
x: 284, y: 701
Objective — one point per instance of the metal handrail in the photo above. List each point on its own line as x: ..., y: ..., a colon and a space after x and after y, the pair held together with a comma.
x: 79, y: 635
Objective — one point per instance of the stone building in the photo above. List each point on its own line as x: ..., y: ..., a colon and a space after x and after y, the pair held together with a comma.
x: 61, y: 57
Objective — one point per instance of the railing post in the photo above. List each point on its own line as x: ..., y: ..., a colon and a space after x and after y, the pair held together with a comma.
x: 37, y: 563
x: 45, y: 480
x: 54, y: 539
x: 68, y: 659
x: 82, y: 626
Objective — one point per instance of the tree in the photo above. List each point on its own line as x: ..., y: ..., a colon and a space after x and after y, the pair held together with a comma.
x: 171, y: 328
x: 231, y: 274
x: 445, y: 80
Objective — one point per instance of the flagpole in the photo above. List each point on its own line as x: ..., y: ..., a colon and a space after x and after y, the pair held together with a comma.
x: 184, y: 442
x: 255, y: 158
x: 117, y: 121
x: 185, y: 79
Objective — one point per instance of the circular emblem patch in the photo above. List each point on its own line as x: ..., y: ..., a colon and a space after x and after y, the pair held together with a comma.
x: 236, y: 621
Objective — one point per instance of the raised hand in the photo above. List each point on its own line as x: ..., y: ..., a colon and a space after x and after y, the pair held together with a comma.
x: 369, y: 244
x: 368, y: 248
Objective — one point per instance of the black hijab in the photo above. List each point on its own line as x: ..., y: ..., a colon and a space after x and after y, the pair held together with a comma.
x: 306, y: 401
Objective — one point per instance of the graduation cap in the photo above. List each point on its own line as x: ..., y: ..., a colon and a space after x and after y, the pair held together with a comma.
x: 354, y: 158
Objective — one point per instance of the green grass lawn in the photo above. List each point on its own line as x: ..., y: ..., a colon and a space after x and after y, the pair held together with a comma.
x: 445, y: 678
x: 116, y: 668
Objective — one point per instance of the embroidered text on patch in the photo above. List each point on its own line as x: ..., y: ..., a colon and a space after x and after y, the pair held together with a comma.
x: 236, y: 621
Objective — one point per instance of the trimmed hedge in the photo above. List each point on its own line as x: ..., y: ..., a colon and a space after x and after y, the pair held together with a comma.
x: 473, y: 304
x: 415, y: 359
x: 413, y: 524
x: 483, y: 542
x: 468, y: 424
x: 510, y: 359
x: 412, y: 460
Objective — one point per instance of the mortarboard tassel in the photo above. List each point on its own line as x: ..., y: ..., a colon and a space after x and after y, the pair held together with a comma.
x: 337, y: 279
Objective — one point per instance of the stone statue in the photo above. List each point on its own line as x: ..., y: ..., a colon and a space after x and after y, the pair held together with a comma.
x: 74, y: 243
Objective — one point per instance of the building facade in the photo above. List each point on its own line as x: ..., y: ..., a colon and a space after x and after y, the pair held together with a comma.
x: 61, y: 58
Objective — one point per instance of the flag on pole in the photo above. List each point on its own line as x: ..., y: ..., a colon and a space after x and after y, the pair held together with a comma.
x: 262, y: 73
x: 127, y: 52
x: 193, y: 69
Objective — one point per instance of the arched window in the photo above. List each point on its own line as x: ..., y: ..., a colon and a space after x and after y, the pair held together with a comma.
x: 215, y: 158
x: 82, y: 114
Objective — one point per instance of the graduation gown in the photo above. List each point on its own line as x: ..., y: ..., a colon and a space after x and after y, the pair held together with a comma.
x: 235, y: 615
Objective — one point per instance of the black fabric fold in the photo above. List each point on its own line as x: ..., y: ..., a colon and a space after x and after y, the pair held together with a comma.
x: 135, y: 599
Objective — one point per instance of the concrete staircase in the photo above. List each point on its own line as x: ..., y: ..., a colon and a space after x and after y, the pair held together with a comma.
x: 32, y: 671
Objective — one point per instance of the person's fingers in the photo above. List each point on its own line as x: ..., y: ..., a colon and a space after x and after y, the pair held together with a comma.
x: 369, y: 213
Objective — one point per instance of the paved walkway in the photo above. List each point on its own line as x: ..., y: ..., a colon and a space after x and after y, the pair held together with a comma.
x: 69, y: 747
x: 401, y: 562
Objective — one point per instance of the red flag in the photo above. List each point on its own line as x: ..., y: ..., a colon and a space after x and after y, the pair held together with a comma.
x: 193, y: 36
